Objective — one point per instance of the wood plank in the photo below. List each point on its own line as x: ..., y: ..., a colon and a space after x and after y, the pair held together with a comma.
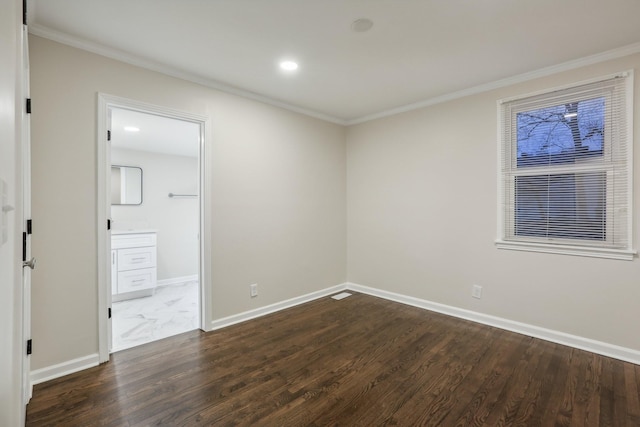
x: 632, y: 392
x: 607, y: 396
x: 358, y: 361
x: 513, y: 393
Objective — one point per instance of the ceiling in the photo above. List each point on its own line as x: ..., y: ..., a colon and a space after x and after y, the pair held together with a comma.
x: 156, y: 134
x: 417, y: 52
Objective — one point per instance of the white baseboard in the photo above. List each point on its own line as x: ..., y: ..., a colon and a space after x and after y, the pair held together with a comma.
x: 177, y: 280
x: 262, y: 311
x: 61, y: 369
x: 582, y: 343
x: 56, y: 371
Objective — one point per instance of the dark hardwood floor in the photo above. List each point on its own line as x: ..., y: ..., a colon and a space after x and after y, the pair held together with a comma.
x: 361, y: 361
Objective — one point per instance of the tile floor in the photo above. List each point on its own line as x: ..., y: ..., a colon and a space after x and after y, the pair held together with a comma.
x: 170, y: 311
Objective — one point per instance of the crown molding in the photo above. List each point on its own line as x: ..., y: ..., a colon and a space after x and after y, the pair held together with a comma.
x: 520, y: 78
x: 57, y: 36
x: 119, y: 55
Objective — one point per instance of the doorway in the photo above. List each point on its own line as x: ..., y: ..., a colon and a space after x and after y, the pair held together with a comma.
x: 154, y: 227
x: 151, y: 176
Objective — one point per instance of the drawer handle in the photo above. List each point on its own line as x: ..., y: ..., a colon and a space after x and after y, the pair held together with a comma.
x: 137, y: 281
x: 137, y: 259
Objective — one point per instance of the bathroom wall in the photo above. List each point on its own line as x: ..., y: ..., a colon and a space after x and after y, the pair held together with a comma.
x: 175, y: 219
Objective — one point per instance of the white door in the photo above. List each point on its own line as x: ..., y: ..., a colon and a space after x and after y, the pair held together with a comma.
x: 28, y: 261
x: 12, y: 372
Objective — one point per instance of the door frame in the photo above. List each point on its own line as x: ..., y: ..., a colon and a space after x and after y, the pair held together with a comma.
x: 105, y: 103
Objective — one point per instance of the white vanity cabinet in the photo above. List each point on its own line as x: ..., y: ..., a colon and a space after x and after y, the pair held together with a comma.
x: 133, y: 264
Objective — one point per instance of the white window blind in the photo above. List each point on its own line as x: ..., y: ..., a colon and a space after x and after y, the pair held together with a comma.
x: 565, y: 170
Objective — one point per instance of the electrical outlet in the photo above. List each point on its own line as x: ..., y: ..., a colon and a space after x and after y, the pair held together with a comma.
x: 253, y: 290
x: 476, y: 291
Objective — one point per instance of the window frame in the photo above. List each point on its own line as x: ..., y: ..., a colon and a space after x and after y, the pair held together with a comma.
x: 508, y: 109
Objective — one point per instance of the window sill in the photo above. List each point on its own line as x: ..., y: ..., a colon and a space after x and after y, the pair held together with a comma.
x: 620, y: 254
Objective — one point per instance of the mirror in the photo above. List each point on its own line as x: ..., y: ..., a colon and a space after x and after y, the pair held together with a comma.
x: 126, y: 185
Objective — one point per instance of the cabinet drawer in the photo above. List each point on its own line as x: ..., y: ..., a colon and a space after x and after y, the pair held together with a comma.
x: 135, y: 258
x: 119, y: 241
x: 136, y: 280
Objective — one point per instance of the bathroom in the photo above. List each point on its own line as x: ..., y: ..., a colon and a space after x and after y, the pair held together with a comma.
x: 155, y: 225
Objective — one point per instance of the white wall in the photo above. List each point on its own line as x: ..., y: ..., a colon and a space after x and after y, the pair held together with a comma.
x: 11, y: 349
x: 176, y: 219
x: 277, y: 190
x: 422, y: 213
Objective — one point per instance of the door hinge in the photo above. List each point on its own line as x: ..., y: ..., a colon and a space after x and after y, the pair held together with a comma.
x: 108, y: 135
x: 109, y: 312
x: 29, y: 347
x: 24, y: 246
x: 109, y: 224
x: 29, y: 227
x: 28, y: 106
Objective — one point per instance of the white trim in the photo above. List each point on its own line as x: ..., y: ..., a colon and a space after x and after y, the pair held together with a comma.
x: 568, y: 86
x: 56, y: 371
x: 103, y: 236
x: 177, y: 280
x: 575, y: 341
x: 272, y: 308
x: 57, y: 36
x: 564, y: 247
x: 205, y: 172
x: 630, y: 115
x: 594, y: 252
x: 127, y: 58
x: 582, y: 343
x: 144, y: 107
x: 500, y: 201
x: 509, y: 81
x: 105, y: 102
x: 65, y: 368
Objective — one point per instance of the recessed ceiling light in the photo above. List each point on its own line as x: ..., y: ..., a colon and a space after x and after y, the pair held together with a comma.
x: 289, y: 65
x: 361, y: 25
x: 131, y: 129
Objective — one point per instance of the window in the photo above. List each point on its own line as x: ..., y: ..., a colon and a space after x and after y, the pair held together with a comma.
x: 565, y: 178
